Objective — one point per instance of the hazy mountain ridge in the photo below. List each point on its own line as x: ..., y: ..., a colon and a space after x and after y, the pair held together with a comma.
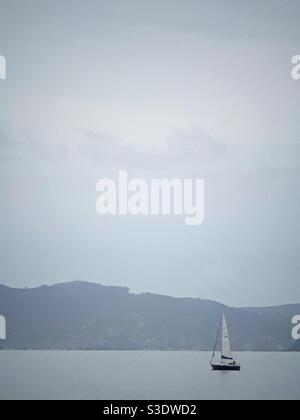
x: 295, y: 346
x: 82, y: 315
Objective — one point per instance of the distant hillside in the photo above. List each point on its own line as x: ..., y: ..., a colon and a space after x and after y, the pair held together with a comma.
x: 295, y: 346
x: 90, y: 316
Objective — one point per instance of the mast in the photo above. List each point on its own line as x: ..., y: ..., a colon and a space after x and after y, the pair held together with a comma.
x: 219, y: 330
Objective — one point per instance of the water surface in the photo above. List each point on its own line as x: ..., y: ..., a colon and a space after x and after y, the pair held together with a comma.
x: 145, y: 375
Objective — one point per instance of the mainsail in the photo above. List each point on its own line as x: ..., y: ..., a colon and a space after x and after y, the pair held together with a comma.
x: 226, y: 351
x: 227, y: 361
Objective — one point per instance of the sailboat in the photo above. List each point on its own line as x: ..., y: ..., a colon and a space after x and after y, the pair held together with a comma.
x: 227, y: 362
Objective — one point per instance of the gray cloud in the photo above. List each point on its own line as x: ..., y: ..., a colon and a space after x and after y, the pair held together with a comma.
x: 182, y: 148
x: 197, y: 146
x: 104, y: 148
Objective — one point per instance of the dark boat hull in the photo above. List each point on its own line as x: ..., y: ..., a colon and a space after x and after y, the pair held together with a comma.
x: 226, y: 367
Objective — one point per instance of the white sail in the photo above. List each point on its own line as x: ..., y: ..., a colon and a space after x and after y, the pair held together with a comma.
x: 227, y: 361
x: 226, y: 351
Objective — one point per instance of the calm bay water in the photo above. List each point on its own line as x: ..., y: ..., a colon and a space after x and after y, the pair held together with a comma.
x: 145, y: 375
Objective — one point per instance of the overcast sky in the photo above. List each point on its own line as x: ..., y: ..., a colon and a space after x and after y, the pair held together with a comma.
x: 158, y: 88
